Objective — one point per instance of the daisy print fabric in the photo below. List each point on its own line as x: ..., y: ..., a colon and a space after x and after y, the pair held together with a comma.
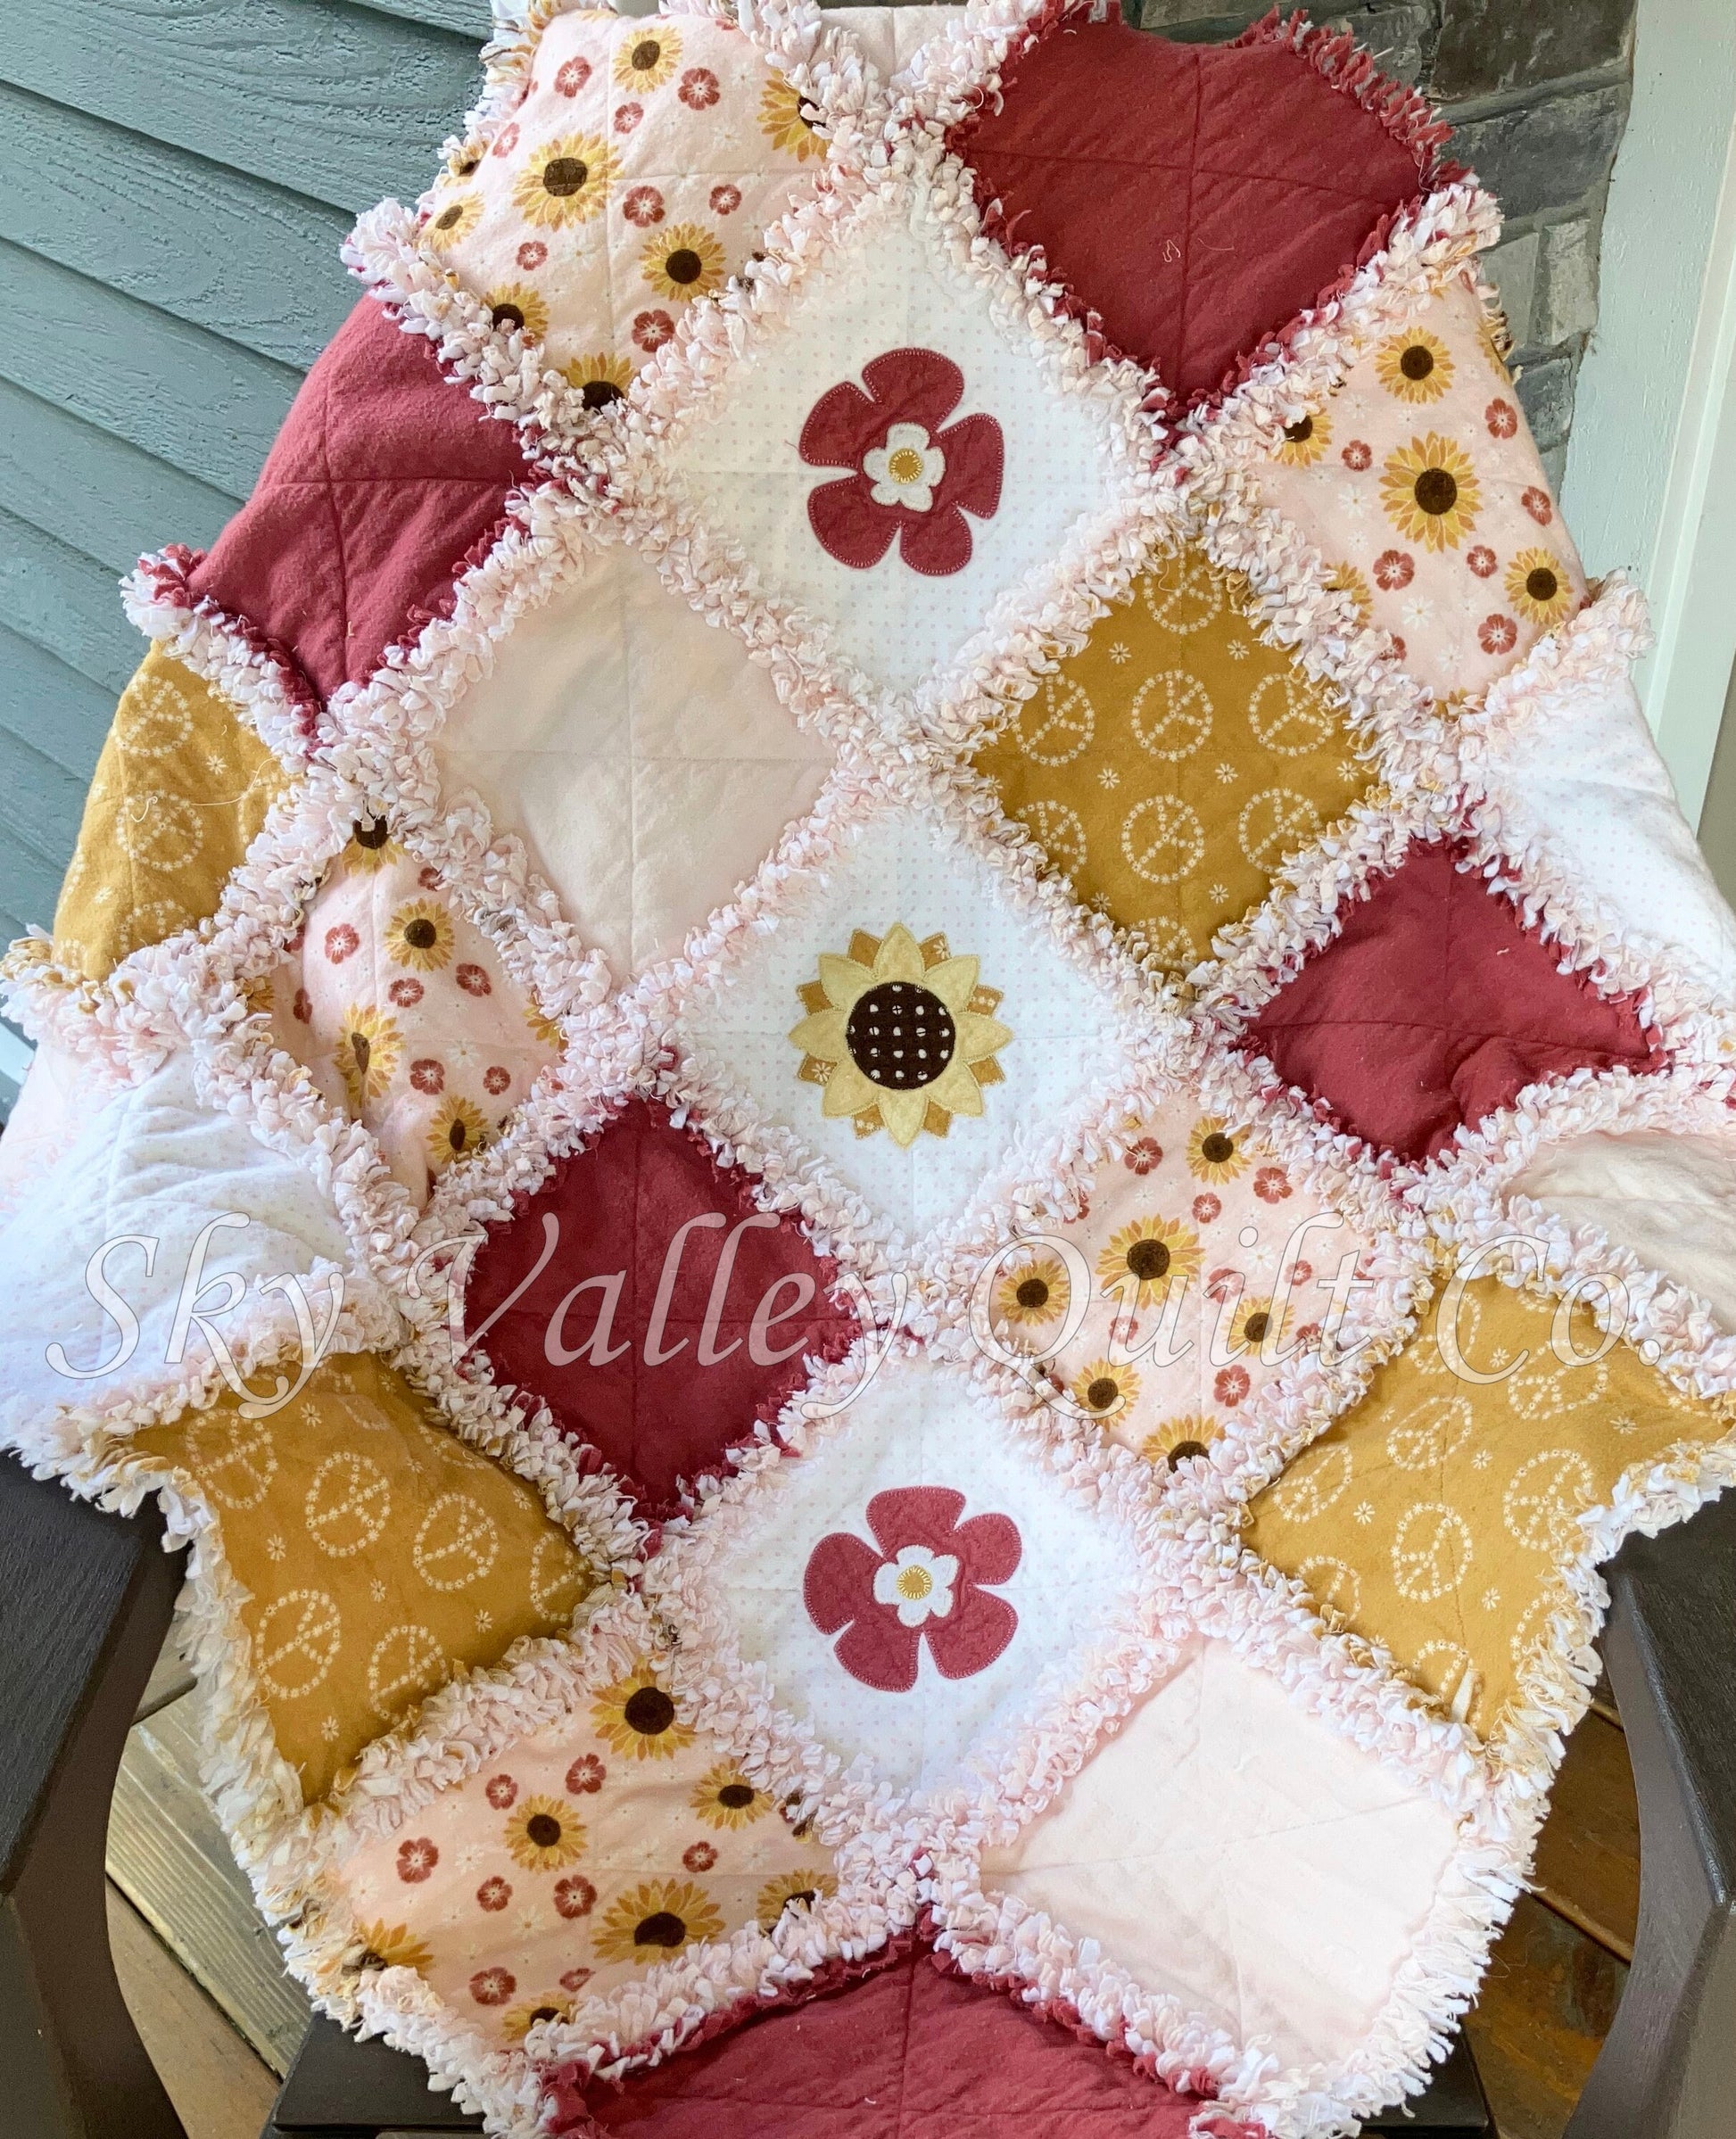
x: 888, y: 1134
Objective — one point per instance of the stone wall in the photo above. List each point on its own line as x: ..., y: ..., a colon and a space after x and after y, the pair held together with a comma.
x: 1537, y: 95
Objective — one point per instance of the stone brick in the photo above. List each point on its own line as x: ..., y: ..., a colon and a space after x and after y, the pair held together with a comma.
x: 1555, y: 465
x: 1548, y: 154
x: 1568, y: 290
x: 1487, y: 45
x: 1513, y: 268
x: 1546, y: 393
x: 1395, y: 32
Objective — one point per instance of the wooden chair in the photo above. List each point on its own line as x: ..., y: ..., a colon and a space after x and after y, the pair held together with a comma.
x: 85, y: 1600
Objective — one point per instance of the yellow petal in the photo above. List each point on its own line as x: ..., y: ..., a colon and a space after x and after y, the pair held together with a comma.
x: 847, y: 1091
x: 956, y: 1089
x: 979, y: 1037
x: 822, y: 1034
x: 901, y: 956
x: 902, y: 1112
x: 954, y: 981
x: 843, y: 981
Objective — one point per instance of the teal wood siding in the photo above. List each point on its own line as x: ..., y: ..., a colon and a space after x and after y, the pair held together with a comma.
x: 180, y: 175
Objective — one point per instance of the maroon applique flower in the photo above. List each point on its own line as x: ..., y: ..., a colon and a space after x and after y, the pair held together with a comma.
x: 644, y: 206
x: 1271, y: 1183
x: 585, y: 1776
x: 909, y: 477
x: 1358, y: 454
x: 494, y: 1894
x: 1206, y: 1207
x: 1539, y: 503
x: 697, y: 89
x: 1497, y: 634
x: 1394, y: 569
x: 1501, y: 418
x: 651, y: 330
x: 925, y: 1583
x: 1482, y: 559
x: 574, y: 1896
x: 429, y: 877
x: 576, y: 1978
x: 505, y: 142
x: 1144, y: 1155
x: 302, y: 1006
x: 1223, y: 1283
x: 493, y: 1986
x: 416, y: 1858
x: 726, y: 199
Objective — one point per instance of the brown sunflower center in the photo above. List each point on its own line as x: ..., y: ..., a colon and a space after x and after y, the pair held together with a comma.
x: 447, y: 217
x: 1032, y: 1292
x: 1217, y: 1149
x: 372, y: 833
x: 598, y: 394
x: 1435, y: 491
x: 1148, y: 1259
x: 900, y: 1037
x: 646, y: 55
x: 736, y: 1797
x: 360, y: 1048
x: 545, y: 2012
x: 1183, y: 1449
x: 1256, y: 1326
x: 457, y: 1135
x: 1301, y: 432
x: 684, y: 265
x: 1417, y: 362
x: 542, y: 1828
x: 1541, y: 584
x: 420, y: 934
x: 663, y: 1928
x: 564, y: 176
x: 1101, y: 1393
x: 649, y: 1711
x: 806, y: 1895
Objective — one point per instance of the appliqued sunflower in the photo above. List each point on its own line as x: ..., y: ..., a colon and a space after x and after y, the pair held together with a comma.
x: 1215, y: 1150
x: 1259, y: 1323
x: 459, y: 1127
x: 653, y: 1920
x: 646, y: 61
x: 1430, y: 491
x: 900, y: 1036
x: 1415, y: 367
x: 1033, y: 1293
x: 368, y: 1049
x: 636, y: 1716
x: 684, y: 262
x: 372, y: 846
x: 516, y: 308
x: 1104, y: 1389
x: 420, y: 935
x: 1305, y: 441
x: 1143, y: 1261
x: 784, y: 122
x: 566, y: 182
x: 602, y: 380
x: 518, y: 2021
x: 1177, y: 1438
x: 392, y: 1946
x: 801, y: 1888
x: 543, y: 1834
x: 724, y: 1797
x: 452, y: 221
x: 1538, y: 588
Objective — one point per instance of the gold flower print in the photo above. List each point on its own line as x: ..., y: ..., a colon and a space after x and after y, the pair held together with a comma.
x: 1538, y: 587
x: 900, y: 1035
x: 783, y: 120
x: 420, y: 936
x: 637, y: 1717
x: 1305, y: 440
x: 799, y: 1889
x: 1104, y: 1389
x: 1345, y: 579
x: 602, y: 380
x: 452, y: 221
x: 1214, y: 1151
x: 1257, y: 1322
x: 1415, y: 367
x: 372, y: 846
x: 368, y: 1049
x: 1144, y: 1259
x: 566, y: 182
x: 543, y: 1834
x: 1430, y: 491
x: 653, y: 1920
x: 518, y: 2021
x: 457, y: 1128
x: 683, y: 262
x: 1032, y: 1293
x: 518, y: 309
x: 647, y: 61
x: 392, y: 1946
x: 724, y: 1797
x: 1177, y: 1438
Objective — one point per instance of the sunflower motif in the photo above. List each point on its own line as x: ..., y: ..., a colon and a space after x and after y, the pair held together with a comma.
x: 1259, y: 1322
x: 1035, y: 1292
x: 1345, y: 579
x: 543, y: 1834
x: 1191, y: 1433
x: 565, y: 181
x: 1215, y: 1150
x: 392, y: 1946
x: 683, y: 262
x: 516, y: 308
x: 1495, y: 339
x: 372, y: 846
x: 457, y: 1127
x: 368, y: 1049
x: 602, y: 380
x: 518, y: 2021
x: 1537, y: 587
x: 1415, y: 367
x: 724, y: 1797
x: 1431, y: 492
x: 542, y: 1026
x: 646, y: 61
x: 1305, y: 441
x: 900, y: 1035
x: 636, y: 1716
x: 420, y: 935
x: 802, y: 1888
x: 653, y: 1920
x: 784, y: 122
x: 1104, y: 1389
x: 452, y: 221
x: 1144, y: 1259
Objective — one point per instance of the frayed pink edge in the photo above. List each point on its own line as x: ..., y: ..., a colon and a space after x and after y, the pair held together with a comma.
x: 168, y: 574
x: 567, y: 2117
x: 1336, y: 57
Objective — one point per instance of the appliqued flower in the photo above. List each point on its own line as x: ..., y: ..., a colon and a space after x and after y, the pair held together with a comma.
x: 698, y: 89
x: 572, y: 77
x: 368, y: 1049
x: 646, y: 61
x: 724, y: 1797
x: 1538, y: 588
x: 931, y: 1580
x: 1141, y: 1261
x: 899, y: 1034
x: 699, y: 1857
x: 1214, y: 1151
x: 517, y: 2020
x: 1271, y: 1183
x: 518, y: 309
x: 545, y: 1834
x: 1358, y: 455
x: 1176, y: 1439
x: 1032, y: 1292
x: 1431, y: 491
x: 452, y: 221
x: 500, y: 1790
x: 566, y: 181
x: 651, y: 330
x: 494, y: 1894
x: 911, y: 478
x: 1207, y: 1207
x: 636, y: 1716
x: 1482, y: 560
x: 653, y: 1920
x: 1305, y: 441
x: 683, y: 262
x: 791, y: 1889
x: 1497, y: 634
x: 420, y: 936
x: 392, y: 1946
x: 1394, y: 569
x: 457, y: 1128
x: 1539, y: 503
x: 784, y: 120
x: 1414, y: 366
x: 1231, y: 1386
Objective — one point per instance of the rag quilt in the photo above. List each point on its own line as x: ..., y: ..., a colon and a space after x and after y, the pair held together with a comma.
x: 884, y: 1081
